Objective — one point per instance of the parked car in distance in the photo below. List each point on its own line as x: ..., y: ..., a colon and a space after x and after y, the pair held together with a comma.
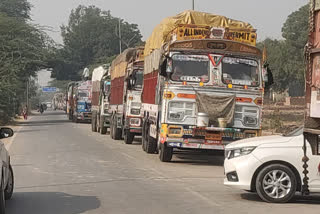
x: 271, y: 166
x: 7, y: 179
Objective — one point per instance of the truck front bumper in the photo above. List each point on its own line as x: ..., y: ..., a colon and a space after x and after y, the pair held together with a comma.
x: 136, y: 130
x: 84, y: 116
x: 192, y: 143
x: 211, y: 138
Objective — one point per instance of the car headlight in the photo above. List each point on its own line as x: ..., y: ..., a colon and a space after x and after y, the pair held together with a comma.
x: 234, y: 153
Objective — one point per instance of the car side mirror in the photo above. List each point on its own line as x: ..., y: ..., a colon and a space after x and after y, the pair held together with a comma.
x: 6, y: 132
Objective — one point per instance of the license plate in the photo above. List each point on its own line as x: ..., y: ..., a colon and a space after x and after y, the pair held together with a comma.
x: 213, y: 136
x: 239, y: 135
x: 199, y: 132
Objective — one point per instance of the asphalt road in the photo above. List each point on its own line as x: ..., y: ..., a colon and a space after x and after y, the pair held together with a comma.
x: 63, y: 168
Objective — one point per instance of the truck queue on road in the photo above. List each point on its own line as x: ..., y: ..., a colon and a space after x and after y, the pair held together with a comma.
x: 198, y: 84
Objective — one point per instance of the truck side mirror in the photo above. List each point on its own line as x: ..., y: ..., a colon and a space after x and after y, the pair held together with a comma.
x: 165, y: 67
x: 267, y: 77
x: 131, y: 81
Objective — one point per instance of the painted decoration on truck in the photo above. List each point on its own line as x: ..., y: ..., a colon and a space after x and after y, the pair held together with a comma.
x: 187, y: 33
x: 241, y: 36
x: 204, y: 32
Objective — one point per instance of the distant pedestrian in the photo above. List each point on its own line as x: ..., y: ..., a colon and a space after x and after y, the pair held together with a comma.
x: 25, y: 112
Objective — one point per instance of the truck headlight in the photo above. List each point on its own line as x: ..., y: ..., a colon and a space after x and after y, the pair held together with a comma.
x: 250, y: 121
x: 234, y: 153
x: 179, y: 110
x: 176, y: 116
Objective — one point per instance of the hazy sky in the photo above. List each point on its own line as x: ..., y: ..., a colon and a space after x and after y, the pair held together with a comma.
x: 267, y: 16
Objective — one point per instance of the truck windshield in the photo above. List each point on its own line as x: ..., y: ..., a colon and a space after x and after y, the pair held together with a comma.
x: 83, y: 94
x: 240, y: 71
x: 139, y: 78
x: 190, y: 68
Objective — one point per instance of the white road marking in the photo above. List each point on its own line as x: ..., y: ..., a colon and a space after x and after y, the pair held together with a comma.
x: 208, y: 200
x: 128, y: 156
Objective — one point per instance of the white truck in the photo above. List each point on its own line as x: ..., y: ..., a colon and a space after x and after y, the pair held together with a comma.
x: 100, y: 99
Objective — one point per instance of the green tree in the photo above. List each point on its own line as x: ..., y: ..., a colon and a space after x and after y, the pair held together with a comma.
x: 23, y: 51
x: 16, y: 8
x: 286, y: 57
x: 89, y: 38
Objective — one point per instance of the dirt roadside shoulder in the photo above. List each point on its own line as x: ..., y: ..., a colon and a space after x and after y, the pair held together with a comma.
x: 15, y: 126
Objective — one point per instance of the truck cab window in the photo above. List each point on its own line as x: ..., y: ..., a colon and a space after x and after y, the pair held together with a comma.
x: 239, y: 71
x: 139, y: 78
x: 190, y: 68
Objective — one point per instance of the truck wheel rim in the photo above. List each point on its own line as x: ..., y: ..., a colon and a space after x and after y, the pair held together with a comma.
x: 277, y: 184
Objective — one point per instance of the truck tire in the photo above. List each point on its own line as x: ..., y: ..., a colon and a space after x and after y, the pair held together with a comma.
x: 128, y: 137
x: 10, y: 185
x: 111, y: 128
x: 70, y: 116
x: 94, y: 122
x: 116, y: 130
x: 143, y: 144
x: 165, y: 153
x: 103, y: 130
x: 2, y: 198
x: 150, y: 143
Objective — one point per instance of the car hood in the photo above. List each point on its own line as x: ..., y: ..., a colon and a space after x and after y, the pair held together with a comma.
x: 257, y: 141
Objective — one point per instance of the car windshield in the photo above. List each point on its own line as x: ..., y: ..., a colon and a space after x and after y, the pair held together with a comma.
x: 294, y: 133
x: 240, y: 71
x: 190, y: 68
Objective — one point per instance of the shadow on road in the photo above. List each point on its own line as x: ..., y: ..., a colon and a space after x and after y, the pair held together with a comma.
x: 50, y: 203
x: 49, y: 113
x: 298, y: 199
x: 44, y: 122
x: 210, y: 158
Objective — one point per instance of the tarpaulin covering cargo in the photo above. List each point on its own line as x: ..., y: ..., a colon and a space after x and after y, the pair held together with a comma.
x: 163, y: 32
x: 119, y: 65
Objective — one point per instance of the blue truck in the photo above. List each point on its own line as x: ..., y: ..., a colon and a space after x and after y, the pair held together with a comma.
x: 82, y: 102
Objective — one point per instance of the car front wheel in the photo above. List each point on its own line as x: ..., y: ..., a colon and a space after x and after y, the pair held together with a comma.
x: 276, y: 183
x: 10, y: 185
x: 2, y: 199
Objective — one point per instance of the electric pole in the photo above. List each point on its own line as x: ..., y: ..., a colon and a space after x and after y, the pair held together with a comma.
x: 192, y: 4
x: 120, y: 45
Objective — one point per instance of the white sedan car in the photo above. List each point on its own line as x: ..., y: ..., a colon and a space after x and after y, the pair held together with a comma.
x: 6, y: 173
x: 271, y: 166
